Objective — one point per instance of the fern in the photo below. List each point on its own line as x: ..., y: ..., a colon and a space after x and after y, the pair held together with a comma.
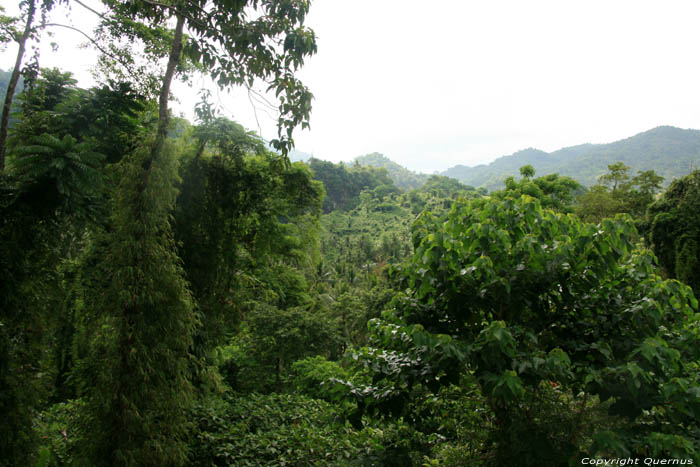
x: 72, y: 168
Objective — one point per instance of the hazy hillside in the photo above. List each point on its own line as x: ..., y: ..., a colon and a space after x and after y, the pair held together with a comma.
x: 297, y: 156
x: 402, y: 177
x: 671, y: 152
x: 5, y: 80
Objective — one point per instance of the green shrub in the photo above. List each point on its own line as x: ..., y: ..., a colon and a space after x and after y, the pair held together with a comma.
x: 313, y: 376
x: 56, y: 429
x: 289, y: 430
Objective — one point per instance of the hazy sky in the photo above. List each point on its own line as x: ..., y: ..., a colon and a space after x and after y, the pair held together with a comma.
x: 435, y: 84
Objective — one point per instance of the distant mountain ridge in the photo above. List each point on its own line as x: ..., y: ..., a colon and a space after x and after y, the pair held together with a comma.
x: 671, y: 152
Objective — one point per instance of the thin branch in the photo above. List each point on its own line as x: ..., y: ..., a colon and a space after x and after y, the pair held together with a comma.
x: 262, y: 99
x: 255, y: 112
x: 177, y: 12
x: 90, y: 9
x: 208, y: 13
x: 94, y: 42
x: 173, y: 8
x: 162, y: 5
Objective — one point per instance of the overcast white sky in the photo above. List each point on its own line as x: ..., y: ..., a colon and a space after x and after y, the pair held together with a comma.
x: 435, y: 84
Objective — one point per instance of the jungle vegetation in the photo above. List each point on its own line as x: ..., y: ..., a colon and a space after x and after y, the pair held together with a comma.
x: 180, y: 293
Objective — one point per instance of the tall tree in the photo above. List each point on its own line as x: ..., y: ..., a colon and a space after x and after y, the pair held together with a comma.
x: 7, y: 106
x: 145, y: 311
x: 144, y: 321
x: 236, y: 43
x: 617, y: 175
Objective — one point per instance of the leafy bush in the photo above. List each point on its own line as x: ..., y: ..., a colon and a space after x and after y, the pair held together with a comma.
x: 288, y: 430
x: 312, y: 376
x: 258, y: 358
x: 521, y: 297
x: 56, y: 429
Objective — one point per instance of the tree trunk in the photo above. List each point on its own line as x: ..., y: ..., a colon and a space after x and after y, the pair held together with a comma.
x: 13, y: 83
x: 163, y: 115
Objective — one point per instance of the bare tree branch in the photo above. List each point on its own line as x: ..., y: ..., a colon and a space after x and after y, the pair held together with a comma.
x: 178, y: 12
x: 94, y: 43
x: 90, y: 9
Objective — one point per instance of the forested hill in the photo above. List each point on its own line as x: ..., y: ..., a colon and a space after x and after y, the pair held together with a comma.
x: 402, y: 177
x: 671, y: 152
x: 343, y: 184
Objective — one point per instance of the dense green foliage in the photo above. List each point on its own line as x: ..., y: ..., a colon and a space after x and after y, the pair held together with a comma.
x: 344, y: 184
x: 257, y: 213
x: 280, y: 429
x: 552, y: 191
x: 675, y: 230
x: 51, y: 188
x: 523, y: 299
x: 360, y: 246
x: 617, y: 193
x: 92, y: 185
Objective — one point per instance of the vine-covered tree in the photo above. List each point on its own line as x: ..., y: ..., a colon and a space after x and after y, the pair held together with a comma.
x: 142, y: 346
x: 244, y: 203
x: 142, y: 320
x: 617, y: 176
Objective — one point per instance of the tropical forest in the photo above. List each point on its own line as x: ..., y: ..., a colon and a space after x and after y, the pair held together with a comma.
x: 182, y: 291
